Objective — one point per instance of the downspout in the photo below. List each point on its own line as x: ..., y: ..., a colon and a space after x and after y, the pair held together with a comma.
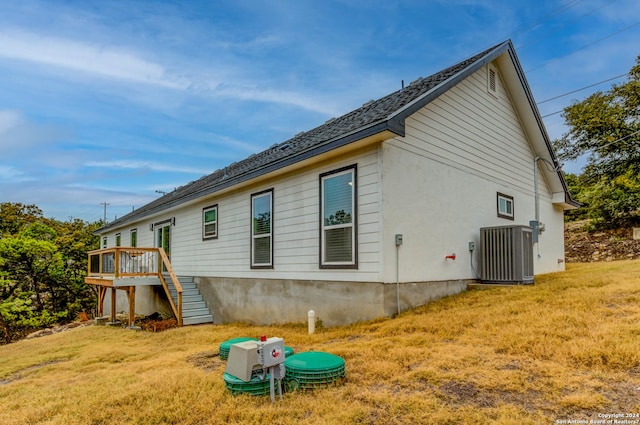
x: 535, y: 189
x: 535, y: 224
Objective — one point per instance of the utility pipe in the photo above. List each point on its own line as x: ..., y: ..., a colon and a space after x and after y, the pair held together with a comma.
x: 398, y: 276
x: 535, y: 188
x: 311, y: 316
x: 554, y: 167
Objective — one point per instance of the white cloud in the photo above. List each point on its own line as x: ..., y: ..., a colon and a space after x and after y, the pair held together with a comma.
x: 8, y: 120
x: 18, y: 135
x: 83, y: 57
x: 146, y: 165
x: 9, y: 174
x: 121, y: 64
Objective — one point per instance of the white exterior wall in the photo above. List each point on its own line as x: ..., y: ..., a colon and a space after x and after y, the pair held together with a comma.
x: 296, y: 223
x: 437, y: 186
x: 440, y: 184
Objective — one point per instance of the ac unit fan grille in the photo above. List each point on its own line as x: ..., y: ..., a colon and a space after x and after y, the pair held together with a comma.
x: 506, y: 255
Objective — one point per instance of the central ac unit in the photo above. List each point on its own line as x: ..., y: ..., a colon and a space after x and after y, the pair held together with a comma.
x: 506, y: 255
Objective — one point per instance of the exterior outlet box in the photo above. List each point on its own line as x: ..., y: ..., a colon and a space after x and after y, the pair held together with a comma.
x: 398, y: 240
x: 243, y: 360
x: 535, y: 230
x: 272, y: 352
x: 472, y: 246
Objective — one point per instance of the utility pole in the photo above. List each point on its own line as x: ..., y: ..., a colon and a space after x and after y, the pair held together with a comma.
x: 105, y: 210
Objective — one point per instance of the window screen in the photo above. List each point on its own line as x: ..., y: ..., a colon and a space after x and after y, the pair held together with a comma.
x: 338, y: 217
x: 261, y: 229
x: 210, y: 222
x: 505, y: 206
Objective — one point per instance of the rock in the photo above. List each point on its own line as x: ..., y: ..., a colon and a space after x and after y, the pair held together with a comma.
x: 610, y: 245
x: 57, y: 329
x: 39, y: 333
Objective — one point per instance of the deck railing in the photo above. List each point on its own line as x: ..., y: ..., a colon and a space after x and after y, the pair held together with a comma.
x: 123, y: 262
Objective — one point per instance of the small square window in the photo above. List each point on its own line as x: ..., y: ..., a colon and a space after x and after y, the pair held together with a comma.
x: 210, y: 222
x: 505, y: 206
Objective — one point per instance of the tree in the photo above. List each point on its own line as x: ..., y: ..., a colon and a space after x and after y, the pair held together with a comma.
x: 43, y: 263
x: 14, y: 216
x: 578, y: 188
x: 606, y: 128
x: 340, y: 217
x: 29, y: 269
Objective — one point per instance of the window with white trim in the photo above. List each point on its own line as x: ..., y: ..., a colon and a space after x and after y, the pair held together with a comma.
x: 262, y: 229
x: 505, y: 206
x: 118, y: 239
x: 134, y: 238
x: 210, y: 222
x: 338, y: 219
x: 104, y: 242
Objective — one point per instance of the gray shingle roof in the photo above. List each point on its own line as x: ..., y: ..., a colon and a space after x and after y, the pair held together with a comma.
x: 386, y: 113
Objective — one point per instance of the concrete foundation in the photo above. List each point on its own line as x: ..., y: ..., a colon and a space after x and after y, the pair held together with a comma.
x: 271, y: 301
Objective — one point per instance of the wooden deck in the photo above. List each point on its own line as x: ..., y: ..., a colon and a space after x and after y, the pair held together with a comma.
x: 125, y: 268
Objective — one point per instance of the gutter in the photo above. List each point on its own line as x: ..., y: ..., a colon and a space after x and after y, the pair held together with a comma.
x: 372, y: 129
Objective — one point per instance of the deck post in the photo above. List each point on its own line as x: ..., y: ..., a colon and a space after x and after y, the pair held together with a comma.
x: 117, y: 263
x: 113, y: 305
x: 131, y: 295
x: 102, y: 292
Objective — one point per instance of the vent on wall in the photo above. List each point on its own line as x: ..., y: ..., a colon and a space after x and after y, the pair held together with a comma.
x: 506, y: 255
x: 492, y: 81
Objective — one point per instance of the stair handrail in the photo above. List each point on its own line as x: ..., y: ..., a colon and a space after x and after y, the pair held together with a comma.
x: 116, y: 273
x: 177, y: 310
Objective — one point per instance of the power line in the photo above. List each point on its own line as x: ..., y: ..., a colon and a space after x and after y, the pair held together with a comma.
x: 566, y: 23
x: 546, y: 17
x: 620, y: 139
x: 583, y: 47
x: 553, y: 113
x: 581, y: 88
x: 558, y: 11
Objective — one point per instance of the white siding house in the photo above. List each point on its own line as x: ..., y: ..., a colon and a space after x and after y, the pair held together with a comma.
x: 434, y: 162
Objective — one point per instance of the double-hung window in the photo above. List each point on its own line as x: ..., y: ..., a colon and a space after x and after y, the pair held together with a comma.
x: 262, y: 230
x: 338, y: 236
x: 134, y: 238
x: 210, y: 222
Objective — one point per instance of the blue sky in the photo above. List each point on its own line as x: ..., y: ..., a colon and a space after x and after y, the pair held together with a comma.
x: 111, y: 101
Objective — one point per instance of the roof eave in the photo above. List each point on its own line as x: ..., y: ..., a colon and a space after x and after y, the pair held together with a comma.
x: 379, y: 127
x: 569, y: 203
x: 420, y: 102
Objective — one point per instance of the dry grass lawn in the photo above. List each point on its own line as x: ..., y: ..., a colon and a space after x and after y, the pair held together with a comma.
x: 567, y: 348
